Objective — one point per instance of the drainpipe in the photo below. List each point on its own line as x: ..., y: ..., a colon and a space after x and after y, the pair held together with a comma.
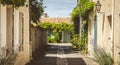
x: 112, y: 28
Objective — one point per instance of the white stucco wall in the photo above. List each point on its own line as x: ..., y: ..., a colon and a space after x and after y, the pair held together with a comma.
x: 3, y: 26
x: 2, y: 30
x: 117, y: 32
x: 108, y: 35
x: 103, y: 28
x: 24, y: 55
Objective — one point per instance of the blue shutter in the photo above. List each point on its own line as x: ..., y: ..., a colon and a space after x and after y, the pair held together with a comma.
x: 95, y: 32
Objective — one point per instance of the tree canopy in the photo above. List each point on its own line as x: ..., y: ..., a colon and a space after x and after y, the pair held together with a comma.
x: 36, y: 10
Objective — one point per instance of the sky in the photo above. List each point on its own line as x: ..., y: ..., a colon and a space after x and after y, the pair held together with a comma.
x: 59, y: 8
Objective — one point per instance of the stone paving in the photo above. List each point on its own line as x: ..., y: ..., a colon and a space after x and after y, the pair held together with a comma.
x: 62, y: 54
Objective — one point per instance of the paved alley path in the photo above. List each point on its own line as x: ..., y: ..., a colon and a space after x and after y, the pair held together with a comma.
x: 61, y: 54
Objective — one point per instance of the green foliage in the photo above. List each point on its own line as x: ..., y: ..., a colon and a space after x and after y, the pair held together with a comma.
x: 15, y: 3
x: 8, y: 60
x: 84, y: 43
x: 102, y: 57
x: 76, y: 41
x: 56, y: 29
x: 83, y: 8
x: 54, y: 39
x: 36, y: 10
x: 84, y: 36
x: 80, y: 42
x: 75, y: 14
x: 86, y: 8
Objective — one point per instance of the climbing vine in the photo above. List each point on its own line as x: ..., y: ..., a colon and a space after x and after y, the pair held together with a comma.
x: 81, y: 41
x: 56, y: 29
x: 83, y: 8
x: 15, y: 3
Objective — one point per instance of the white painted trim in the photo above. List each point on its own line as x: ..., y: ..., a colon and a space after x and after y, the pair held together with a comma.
x: 16, y: 30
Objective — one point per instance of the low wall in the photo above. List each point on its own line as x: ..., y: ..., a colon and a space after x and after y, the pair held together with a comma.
x: 39, y: 41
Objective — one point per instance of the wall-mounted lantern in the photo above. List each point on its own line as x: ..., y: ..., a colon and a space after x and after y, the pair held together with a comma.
x: 98, y: 6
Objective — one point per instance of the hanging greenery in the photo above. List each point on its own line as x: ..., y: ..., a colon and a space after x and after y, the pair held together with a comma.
x: 15, y: 3
x: 83, y: 8
x: 56, y: 29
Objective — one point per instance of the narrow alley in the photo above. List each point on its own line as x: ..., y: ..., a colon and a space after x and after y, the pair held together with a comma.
x: 59, y: 32
x: 62, y: 54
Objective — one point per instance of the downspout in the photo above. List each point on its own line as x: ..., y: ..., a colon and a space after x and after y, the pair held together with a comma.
x: 112, y: 29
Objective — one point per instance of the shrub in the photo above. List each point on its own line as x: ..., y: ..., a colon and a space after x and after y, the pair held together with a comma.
x: 102, y: 57
x: 76, y: 41
x: 80, y: 42
x: 53, y: 38
x: 8, y: 60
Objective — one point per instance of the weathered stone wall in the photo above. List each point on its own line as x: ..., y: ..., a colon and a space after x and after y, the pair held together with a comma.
x: 3, y: 22
x: 116, y: 32
x: 100, y: 33
x: 108, y: 32
x: 39, y: 41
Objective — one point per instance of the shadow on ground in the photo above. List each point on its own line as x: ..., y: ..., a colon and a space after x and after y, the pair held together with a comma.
x: 53, y: 61
x: 50, y: 58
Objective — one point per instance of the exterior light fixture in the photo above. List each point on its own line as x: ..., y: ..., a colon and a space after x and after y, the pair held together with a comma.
x: 98, y: 6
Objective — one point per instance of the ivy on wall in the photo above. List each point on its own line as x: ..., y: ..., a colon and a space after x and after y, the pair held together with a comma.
x: 15, y: 3
x: 83, y: 8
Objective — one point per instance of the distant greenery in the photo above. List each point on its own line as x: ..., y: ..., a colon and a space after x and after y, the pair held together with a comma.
x: 102, y: 57
x: 36, y: 10
x: 56, y: 29
x: 53, y: 38
x: 83, y: 8
x: 15, y: 3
